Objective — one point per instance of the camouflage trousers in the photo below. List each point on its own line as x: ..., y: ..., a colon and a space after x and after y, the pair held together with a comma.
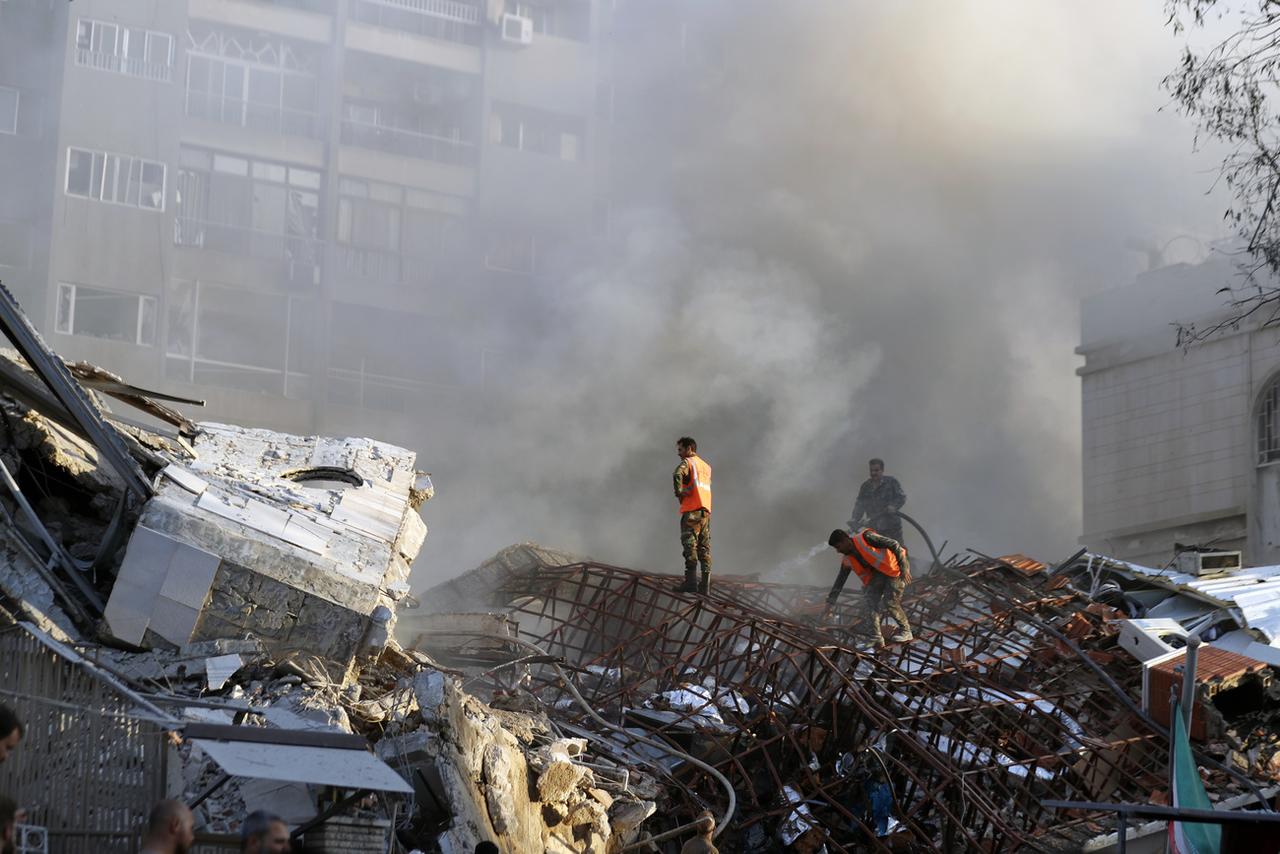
x: 884, y: 599
x: 695, y: 539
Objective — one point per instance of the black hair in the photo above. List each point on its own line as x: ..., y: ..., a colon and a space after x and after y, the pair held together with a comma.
x: 9, y: 722
x: 839, y: 535
x: 687, y: 442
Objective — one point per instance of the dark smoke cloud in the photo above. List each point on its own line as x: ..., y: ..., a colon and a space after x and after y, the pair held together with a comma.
x: 851, y: 230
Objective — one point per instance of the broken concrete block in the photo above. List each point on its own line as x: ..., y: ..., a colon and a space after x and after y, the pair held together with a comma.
x: 258, y: 552
x: 559, y: 780
x: 499, y: 794
x: 219, y: 668
x: 428, y: 688
x: 626, y: 816
x: 604, y: 798
x: 589, y: 813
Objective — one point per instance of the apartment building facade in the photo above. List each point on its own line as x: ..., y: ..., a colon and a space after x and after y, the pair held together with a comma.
x: 1180, y: 444
x: 310, y: 213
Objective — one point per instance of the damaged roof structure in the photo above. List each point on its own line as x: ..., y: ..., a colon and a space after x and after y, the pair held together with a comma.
x: 1016, y: 691
x: 221, y: 614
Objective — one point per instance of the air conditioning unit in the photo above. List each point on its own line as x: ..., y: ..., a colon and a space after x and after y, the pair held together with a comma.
x: 517, y: 29
x: 1208, y: 563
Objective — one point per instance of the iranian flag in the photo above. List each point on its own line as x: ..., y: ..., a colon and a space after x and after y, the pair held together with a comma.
x: 1187, y: 791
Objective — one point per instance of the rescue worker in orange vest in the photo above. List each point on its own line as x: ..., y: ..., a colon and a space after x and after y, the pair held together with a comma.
x: 881, y: 563
x: 692, y: 482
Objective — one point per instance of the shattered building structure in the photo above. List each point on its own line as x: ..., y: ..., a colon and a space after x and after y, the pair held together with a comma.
x: 1180, y: 445
x: 221, y: 614
x: 281, y: 192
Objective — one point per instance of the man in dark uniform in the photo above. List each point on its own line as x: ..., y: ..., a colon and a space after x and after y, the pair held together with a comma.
x: 879, y: 499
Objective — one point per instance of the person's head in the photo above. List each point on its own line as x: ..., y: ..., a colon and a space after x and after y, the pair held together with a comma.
x: 171, y: 825
x: 264, y: 833
x: 686, y: 446
x: 486, y: 847
x: 706, y: 824
x: 841, y: 541
x: 10, y: 731
x: 876, y: 467
x: 8, y: 820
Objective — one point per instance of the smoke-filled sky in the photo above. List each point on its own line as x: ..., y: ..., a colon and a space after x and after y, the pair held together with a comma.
x: 851, y: 229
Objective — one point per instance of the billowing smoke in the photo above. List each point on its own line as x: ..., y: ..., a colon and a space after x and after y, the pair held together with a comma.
x: 846, y: 230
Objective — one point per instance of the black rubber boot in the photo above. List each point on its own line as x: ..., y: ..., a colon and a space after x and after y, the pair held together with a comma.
x: 690, y: 584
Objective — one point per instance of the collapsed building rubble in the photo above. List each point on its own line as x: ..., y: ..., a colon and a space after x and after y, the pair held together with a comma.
x: 1014, y: 692
x: 221, y: 614
x: 216, y: 607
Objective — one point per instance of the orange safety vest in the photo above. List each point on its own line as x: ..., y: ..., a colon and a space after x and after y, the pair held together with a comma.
x: 867, y: 559
x: 698, y: 494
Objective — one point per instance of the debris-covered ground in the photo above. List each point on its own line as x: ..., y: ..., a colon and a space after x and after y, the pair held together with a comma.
x: 222, y: 614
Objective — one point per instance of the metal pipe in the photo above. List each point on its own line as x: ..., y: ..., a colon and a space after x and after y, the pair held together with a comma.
x: 1163, y: 813
x: 1189, y: 681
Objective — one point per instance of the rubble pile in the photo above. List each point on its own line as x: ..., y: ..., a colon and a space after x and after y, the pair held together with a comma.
x: 1015, y: 691
x: 221, y: 614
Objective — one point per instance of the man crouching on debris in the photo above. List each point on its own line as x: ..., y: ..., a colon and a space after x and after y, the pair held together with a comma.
x: 881, y: 564
x: 692, y: 481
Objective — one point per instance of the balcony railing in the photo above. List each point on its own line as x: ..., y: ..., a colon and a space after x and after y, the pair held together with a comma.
x: 157, y: 71
x: 379, y: 265
x: 359, y: 388
x: 441, y: 149
x: 439, y: 19
x: 270, y: 118
x: 302, y: 253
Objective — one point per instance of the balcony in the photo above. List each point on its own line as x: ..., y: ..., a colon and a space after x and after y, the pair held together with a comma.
x: 425, y: 146
x: 308, y: 20
x: 301, y: 254
x: 266, y: 118
x: 447, y: 20
x: 160, y: 72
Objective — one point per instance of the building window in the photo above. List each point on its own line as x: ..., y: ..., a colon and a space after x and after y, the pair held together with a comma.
x: 389, y: 233
x: 1269, y: 424
x: 537, y: 131
x: 240, y: 339
x: 9, y: 99
x: 251, y: 82
x: 116, y: 178
x: 512, y: 252
x: 135, y: 51
x: 370, y: 368
x: 99, y: 313
x: 248, y: 206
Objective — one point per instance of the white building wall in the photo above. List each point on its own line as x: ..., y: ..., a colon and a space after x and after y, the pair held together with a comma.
x: 1168, y: 435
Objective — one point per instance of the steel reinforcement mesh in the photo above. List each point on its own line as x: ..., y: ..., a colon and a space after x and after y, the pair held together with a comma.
x: 993, y: 707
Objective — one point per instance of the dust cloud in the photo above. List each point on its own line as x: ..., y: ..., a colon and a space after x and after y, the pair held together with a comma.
x: 846, y: 230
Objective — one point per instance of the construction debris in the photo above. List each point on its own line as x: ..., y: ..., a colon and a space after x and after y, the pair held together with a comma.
x: 225, y: 611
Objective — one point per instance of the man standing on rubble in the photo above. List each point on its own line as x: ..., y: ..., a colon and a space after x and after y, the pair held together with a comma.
x: 692, y: 481
x: 170, y: 829
x: 879, y: 499
x: 881, y: 565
